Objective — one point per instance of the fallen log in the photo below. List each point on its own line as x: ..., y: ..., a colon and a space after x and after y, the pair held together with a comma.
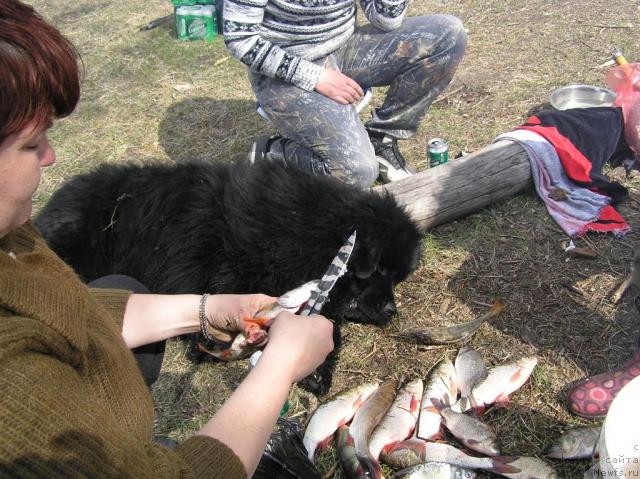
x: 465, y: 185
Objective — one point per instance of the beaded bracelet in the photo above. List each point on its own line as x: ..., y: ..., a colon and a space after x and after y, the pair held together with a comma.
x: 203, y: 318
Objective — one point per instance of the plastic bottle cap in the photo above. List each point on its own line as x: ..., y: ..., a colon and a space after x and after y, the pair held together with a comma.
x: 253, y: 359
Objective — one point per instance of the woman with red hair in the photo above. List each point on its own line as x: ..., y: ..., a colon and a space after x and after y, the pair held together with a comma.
x: 74, y: 402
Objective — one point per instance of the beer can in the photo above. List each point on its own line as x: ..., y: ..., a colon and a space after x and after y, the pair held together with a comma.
x: 437, y: 152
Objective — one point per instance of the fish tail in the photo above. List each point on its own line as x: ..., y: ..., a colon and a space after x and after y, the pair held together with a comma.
x: 555, y: 452
x: 496, y: 308
x: 502, y: 465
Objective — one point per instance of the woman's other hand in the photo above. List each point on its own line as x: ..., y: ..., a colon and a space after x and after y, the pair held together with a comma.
x: 298, y: 344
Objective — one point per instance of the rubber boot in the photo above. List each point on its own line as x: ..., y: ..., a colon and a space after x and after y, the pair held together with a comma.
x: 592, y: 397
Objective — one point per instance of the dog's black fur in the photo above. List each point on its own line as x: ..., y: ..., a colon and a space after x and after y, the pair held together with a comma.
x: 233, y: 228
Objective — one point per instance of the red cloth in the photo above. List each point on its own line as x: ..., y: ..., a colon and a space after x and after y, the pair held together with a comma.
x: 585, y: 140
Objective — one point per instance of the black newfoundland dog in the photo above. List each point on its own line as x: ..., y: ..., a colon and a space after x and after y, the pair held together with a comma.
x: 234, y: 228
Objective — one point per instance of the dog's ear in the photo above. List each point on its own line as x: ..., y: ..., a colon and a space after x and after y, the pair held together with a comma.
x: 366, y: 259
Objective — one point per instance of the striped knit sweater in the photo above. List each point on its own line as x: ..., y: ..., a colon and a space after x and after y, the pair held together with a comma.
x: 73, y: 402
x: 281, y: 38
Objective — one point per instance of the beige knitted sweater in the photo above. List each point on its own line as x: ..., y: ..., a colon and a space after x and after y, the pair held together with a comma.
x: 72, y: 401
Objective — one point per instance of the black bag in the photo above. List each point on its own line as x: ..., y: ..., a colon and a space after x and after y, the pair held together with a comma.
x: 285, y: 457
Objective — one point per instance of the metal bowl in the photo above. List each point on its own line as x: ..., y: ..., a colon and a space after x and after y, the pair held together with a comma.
x: 581, y: 96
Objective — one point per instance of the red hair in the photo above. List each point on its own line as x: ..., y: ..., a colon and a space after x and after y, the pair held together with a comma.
x: 39, y: 73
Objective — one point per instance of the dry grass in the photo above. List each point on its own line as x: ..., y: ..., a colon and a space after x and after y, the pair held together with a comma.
x: 146, y: 96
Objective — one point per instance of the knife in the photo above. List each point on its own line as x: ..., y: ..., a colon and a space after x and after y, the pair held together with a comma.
x: 320, y: 292
x: 336, y: 269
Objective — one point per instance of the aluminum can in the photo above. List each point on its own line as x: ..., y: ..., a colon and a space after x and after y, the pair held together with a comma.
x: 437, y: 152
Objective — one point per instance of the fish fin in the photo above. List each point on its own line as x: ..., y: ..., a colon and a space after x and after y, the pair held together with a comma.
x: 439, y: 404
x: 476, y: 409
x: 479, y: 409
x: 260, y: 321
x: 324, y: 443
x: 556, y: 453
x: 502, y: 465
x: 390, y: 447
x: 414, y: 405
x: 438, y: 436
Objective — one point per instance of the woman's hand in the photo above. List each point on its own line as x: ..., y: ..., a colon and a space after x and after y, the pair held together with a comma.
x: 338, y: 86
x: 227, y: 313
x: 298, y: 344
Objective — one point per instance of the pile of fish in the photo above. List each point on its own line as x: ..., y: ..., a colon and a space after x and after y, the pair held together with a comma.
x: 376, y: 423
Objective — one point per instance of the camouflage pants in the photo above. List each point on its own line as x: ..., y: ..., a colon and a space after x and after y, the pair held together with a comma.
x: 416, y: 61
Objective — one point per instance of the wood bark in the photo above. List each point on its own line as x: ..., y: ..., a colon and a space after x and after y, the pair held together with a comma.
x: 464, y: 185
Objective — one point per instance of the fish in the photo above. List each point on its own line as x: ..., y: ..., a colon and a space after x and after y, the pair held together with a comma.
x: 346, y: 451
x: 366, y: 418
x: 452, y: 334
x: 576, y: 443
x: 416, y: 451
x: 333, y: 414
x: 500, y: 382
x: 530, y: 468
x: 473, y: 433
x: 239, y: 348
x: 255, y: 335
x: 441, y: 388
x: 470, y: 370
x: 435, y: 470
x: 400, y: 420
x: 632, y: 278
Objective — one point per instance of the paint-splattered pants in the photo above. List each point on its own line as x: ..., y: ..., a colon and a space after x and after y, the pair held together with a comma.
x: 416, y: 61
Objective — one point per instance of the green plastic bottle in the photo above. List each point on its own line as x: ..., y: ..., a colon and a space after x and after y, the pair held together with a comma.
x: 196, y: 22
x: 253, y: 360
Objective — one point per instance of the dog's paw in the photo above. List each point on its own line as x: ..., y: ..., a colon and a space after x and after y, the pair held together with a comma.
x: 318, y: 383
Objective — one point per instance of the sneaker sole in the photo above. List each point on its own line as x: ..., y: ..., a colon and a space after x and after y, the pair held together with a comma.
x: 251, y: 156
x: 389, y: 173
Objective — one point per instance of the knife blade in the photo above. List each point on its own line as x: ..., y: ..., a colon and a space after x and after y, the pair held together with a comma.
x: 320, y: 292
x: 336, y: 269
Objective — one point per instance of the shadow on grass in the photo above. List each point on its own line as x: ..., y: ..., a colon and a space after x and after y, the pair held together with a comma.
x: 188, y: 394
x: 207, y: 128
x: 534, y: 435
x: 558, y: 307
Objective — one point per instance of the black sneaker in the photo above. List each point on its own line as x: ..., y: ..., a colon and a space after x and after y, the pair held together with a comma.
x: 260, y: 147
x: 392, y: 164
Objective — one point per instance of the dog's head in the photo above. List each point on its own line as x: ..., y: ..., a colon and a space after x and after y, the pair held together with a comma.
x: 298, y: 222
x: 365, y: 294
